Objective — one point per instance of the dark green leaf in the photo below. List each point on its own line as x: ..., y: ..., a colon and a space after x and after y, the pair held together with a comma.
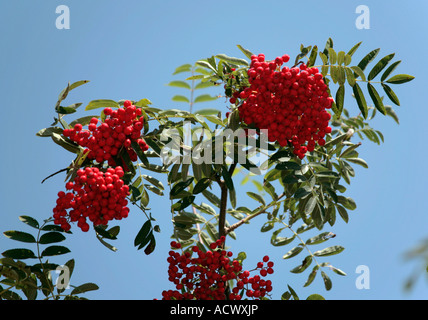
x: 247, y: 53
x: 66, y: 144
x: 211, y: 198
x: 256, y: 197
x: 151, y: 246
x: 359, y: 161
x: 183, y: 203
x: 315, y: 296
x: 83, y: 120
x: 380, y: 66
x: 391, y: 94
x: 106, y: 244
x: 181, y: 186
x: 337, y: 271
x: 350, y: 76
x: 368, y: 58
x: 67, y: 110
x: 84, y: 288
x: 269, y: 188
x: 19, y: 254
x: 354, y: 48
x: 313, y: 57
x: 54, y: 251
x: 232, y: 197
x: 322, y: 237
x: 340, y: 97
x: 328, y: 44
x: 281, y: 241
x: 390, y: 112
x: 305, y: 264
x: 335, y: 140
x: 144, y: 234
x: 227, y: 178
x: 293, y: 252
x: 51, y: 237
x: 153, y: 181
x: 329, y: 251
x: 400, y: 78
x: 20, y: 236
x: 343, y: 213
x: 361, y: 101
x: 206, y: 64
x: 104, y: 233
x: 310, y: 205
x: 376, y: 98
x: 358, y: 72
x: 389, y: 70
x: 201, y: 185
x: 327, y: 281
x: 47, y: 132
x: 302, y: 192
x: 30, y: 221
x: 139, y: 152
x: 317, y: 216
x: 232, y: 60
x: 289, y: 165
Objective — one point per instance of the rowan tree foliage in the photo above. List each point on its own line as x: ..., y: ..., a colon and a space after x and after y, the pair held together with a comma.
x: 283, y: 122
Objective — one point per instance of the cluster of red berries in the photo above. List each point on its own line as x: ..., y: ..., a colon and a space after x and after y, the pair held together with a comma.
x: 95, y: 195
x: 290, y: 102
x: 120, y: 127
x: 199, y: 275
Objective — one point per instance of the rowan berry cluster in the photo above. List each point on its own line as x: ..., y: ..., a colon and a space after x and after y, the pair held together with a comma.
x: 290, y: 102
x: 199, y: 275
x: 94, y: 195
x: 105, y: 141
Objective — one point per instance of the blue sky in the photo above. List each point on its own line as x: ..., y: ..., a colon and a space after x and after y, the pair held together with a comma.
x: 129, y: 50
